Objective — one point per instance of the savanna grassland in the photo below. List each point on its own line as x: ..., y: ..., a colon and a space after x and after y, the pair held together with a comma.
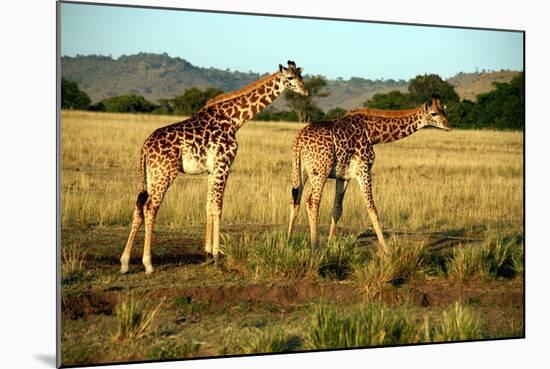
x: 450, y: 203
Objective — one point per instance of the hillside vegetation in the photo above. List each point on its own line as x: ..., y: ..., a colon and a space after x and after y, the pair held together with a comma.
x: 159, y: 76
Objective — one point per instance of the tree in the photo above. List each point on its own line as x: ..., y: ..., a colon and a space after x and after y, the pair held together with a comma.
x: 165, y: 106
x: 392, y: 100
x: 423, y: 87
x: 212, y: 92
x: 305, y: 106
x: 190, y: 102
x: 131, y: 103
x: 503, y: 107
x: 270, y: 114
x: 72, y: 97
x: 335, y: 113
x: 193, y: 100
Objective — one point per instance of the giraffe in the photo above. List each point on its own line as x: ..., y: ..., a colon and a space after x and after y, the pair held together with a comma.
x: 343, y: 149
x: 206, y: 142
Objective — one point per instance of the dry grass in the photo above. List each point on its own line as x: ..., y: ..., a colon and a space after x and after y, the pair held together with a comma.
x: 461, y: 181
x: 72, y: 259
x: 134, y: 319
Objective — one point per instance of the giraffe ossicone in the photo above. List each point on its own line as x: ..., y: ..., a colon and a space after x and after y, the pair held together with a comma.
x: 204, y: 143
x: 343, y: 149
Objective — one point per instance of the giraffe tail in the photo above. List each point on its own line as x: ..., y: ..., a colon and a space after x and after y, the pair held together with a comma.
x: 296, y: 171
x: 143, y: 195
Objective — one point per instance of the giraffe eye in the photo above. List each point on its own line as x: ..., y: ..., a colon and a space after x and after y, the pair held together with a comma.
x: 434, y: 114
x: 290, y: 78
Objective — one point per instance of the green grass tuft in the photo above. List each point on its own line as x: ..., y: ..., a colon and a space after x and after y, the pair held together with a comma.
x: 375, y: 324
x: 268, y: 340
x: 402, y: 260
x: 134, y: 319
x: 493, y: 259
x: 371, y: 325
x: 458, y: 323
x: 273, y: 257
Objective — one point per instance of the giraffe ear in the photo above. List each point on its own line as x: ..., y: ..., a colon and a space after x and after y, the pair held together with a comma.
x: 425, y: 106
x: 299, y: 70
x: 281, y: 68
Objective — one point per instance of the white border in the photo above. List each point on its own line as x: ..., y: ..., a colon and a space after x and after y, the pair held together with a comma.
x: 28, y: 181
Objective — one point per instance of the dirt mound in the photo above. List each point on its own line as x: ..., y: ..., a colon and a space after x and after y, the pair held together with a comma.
x: 82, y: 305
x: 297, y: 293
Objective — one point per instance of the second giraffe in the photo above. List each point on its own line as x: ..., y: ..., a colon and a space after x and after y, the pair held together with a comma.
x: 343, y: 149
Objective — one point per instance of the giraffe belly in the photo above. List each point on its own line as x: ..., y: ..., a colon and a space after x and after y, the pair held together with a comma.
x: 192, y: 166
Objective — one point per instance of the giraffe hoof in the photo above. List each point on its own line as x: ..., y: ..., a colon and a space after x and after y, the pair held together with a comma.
x: 124, y: 269
x: 149, y: 269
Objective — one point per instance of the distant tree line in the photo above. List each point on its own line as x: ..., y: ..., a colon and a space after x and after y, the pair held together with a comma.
x: 501, y: 108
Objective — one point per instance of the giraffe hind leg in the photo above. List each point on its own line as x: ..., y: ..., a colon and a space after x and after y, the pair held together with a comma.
x: 136, y: 224
x: 313, y: 201
x: 295, y: 206
x: 157, y: 190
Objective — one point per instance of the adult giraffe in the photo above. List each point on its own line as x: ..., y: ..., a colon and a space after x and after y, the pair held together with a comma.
x: 206, y: 142
x: 343, y: 149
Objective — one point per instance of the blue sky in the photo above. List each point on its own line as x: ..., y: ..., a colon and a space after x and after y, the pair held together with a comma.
x: 258, y: 43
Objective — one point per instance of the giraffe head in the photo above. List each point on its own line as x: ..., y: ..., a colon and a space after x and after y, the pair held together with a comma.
x: 435, y: 114
x: 292, y: 78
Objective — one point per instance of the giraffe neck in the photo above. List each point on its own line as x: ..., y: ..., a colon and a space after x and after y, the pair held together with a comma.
x: 384, y: 129
x: 242, y: 105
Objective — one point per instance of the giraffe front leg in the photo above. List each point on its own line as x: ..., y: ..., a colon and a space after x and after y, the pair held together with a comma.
x: 341, y: 187
x: 150, y: 216
x: 208, y: 237
x: 366, y: 189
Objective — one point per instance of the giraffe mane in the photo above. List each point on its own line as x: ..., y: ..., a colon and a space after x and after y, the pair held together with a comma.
x: 243, y: 91
x: 384, y: 112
